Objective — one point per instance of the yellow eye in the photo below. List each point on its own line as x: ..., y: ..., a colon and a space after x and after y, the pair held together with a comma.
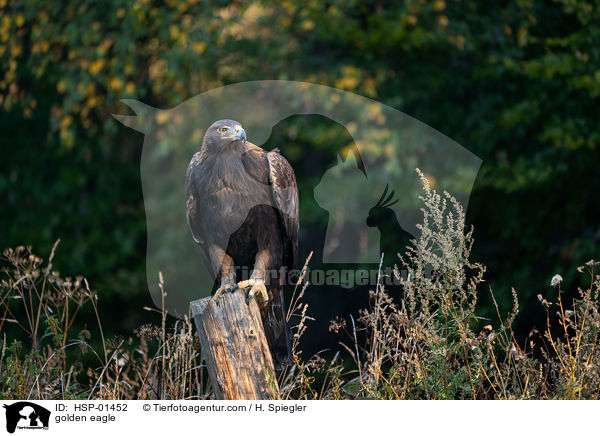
x: 223, y: 129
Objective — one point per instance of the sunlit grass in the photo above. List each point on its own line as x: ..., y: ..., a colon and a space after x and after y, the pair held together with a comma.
x: 431, y: 344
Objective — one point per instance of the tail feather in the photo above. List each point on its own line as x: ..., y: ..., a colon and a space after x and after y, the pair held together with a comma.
x: 278, y: 333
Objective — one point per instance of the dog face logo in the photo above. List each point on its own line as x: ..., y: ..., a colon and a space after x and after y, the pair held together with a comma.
x: 26, y: 415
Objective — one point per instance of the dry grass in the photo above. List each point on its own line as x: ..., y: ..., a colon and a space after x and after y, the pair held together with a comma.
x: 56, y: 362
x: 429, y: 345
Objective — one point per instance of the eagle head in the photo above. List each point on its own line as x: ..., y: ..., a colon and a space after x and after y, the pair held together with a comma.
x: 224, y: 133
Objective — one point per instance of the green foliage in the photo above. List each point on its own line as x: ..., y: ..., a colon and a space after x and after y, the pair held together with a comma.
x: 517, y: 83
x: 68, y: 168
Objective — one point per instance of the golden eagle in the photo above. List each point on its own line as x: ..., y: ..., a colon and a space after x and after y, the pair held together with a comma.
x: 242, y: 210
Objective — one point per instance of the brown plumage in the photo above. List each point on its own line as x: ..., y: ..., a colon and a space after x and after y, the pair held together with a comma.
x: 242, y: 210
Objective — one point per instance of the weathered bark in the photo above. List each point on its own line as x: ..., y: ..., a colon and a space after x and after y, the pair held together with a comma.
x: 235, y: 348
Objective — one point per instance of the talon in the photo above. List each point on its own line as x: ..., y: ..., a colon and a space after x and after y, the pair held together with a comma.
x: 224, y: 289
x: 245, y: 284
x: 256, y: 287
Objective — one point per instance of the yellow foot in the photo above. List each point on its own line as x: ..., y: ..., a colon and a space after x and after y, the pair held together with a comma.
x: 222, y: 289
x: 256, y: 287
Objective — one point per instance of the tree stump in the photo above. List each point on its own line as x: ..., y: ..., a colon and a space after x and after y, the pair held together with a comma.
x: 234, y: 346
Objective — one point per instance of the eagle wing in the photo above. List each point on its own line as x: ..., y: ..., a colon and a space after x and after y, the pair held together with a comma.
x: 271, y: 168
x: 192, y: 209
x: 285, y: 196
x: 191, y: 200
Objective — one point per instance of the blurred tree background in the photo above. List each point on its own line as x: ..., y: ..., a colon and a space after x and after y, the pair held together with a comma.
x: 516, y: 83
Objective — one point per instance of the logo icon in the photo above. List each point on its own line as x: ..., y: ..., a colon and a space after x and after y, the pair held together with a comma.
x: 26, y: 415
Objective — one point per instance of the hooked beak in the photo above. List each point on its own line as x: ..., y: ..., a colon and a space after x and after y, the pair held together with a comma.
x: 240, y: 134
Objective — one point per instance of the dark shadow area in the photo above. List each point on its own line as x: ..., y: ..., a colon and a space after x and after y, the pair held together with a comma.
x: 312, y: 143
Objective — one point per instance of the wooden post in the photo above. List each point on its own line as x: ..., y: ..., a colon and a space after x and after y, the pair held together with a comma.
x: 235, y: 348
